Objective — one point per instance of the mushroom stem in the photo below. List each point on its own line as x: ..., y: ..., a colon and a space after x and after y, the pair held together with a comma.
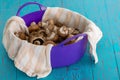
x: 63, y: 31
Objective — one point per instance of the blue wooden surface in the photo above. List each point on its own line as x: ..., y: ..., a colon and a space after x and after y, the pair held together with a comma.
x: 105, y: 13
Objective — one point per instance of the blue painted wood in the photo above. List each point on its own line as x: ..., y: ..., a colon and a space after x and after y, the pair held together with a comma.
x: 105, y: 13
x: 7, y: 69
x: 114, y: 22
x: 9, y: 4
x: 107, y: 62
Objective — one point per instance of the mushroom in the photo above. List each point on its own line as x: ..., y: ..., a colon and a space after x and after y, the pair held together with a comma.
x: 76, y: 31
x: 58, y: 24
x: 60, y: 39
x: 51, y: 27
x: 72, y: 41
x: 51, y: 22
x: 55, y: 29
x: 52, y: 36
x: 33, y: 33
x: 16, y: 34
x: 36, y: 40
x: 33, y: 23
x: 33, y: 27
x: 21, y: 35
x: 70, y: 30
x: 42, y: 32
x: 49, y: 42
x: 63, y: 31
x: 56, y: 38
x: 44, y: 25
x: 48, y: 32
x: 40, y: 24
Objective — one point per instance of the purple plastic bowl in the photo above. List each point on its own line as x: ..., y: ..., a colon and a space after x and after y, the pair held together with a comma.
x: 61, y: 55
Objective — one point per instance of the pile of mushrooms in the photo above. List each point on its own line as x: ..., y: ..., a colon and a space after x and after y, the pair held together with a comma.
x: 49, y: 32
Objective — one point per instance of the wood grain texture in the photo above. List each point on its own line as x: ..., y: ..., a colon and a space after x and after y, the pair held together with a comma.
x: 107, y: 62
x: 105, y: 13
x: 114, y: 22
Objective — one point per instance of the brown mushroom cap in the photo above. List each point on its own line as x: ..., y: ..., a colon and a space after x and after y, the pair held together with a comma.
x: 72, y: 41
x: 33, y: 28
x: 42, y: 32
x: 56, y: 38
x: 59, y: 40
x: 70, y: 35
x: 16, y: 34
x: 40, y: 24
x: 76, y: 31
x: 51, y: 22
x: 33, y: 33
x: 21, y: 35
x: 58, y: 24
x: 33, y: 23
x: 49, y: 42
x: 63, y: 31
x: 36, y: 40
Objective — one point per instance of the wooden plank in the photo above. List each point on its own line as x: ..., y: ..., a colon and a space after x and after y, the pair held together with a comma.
x: 116, y: 48
x: 9, y: 4
x: 0, y: 7
x: 114, y: 21
x: 0, y: 12
x: 106, y: 68
x: 51, y: 3
x: 7, y: 68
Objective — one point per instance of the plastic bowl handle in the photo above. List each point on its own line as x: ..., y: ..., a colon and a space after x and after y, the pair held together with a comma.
x: 69, y: 39
x: 29, y: 3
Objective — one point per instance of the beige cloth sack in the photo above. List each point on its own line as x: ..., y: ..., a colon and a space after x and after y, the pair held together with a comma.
x: 35, y: 60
